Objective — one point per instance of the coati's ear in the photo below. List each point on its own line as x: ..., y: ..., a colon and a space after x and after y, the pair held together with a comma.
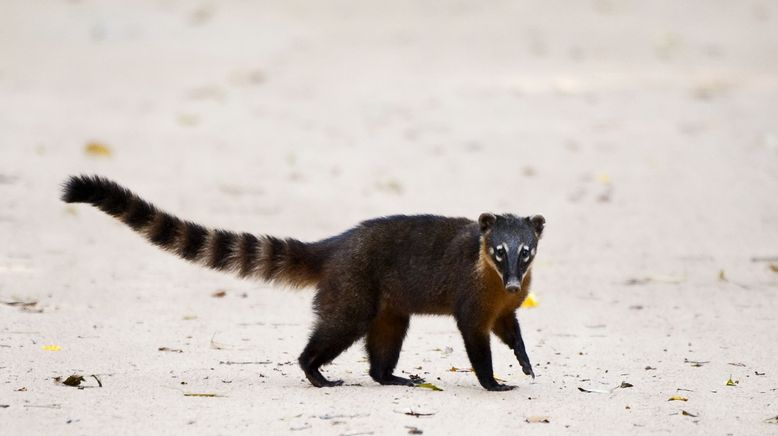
x: 486, y: 221
x: 538, y: 222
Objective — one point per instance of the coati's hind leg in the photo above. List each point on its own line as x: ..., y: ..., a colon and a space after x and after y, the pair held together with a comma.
x: 328, y: 340
x: 384, y: 342
x: 343, y: 319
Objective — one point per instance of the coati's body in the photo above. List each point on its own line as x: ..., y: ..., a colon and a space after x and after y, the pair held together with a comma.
x: 369, y: 279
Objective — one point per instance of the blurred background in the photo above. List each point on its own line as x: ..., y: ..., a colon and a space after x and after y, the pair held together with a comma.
x: 645, y: 132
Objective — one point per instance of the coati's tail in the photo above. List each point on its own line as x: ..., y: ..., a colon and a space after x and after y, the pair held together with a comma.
x: 285, y: 261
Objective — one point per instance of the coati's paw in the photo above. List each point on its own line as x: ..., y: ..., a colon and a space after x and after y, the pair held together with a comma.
x: 397, y: 381
x: 328, y: 383
x: 497, y: 387
x: 527, y: 369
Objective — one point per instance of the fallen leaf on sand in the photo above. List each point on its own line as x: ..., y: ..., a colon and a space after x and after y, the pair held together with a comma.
x: 24, y: 306
x: 603, y: 177
x: 530, y: 302
x: 625, y: 385
x: 51, y: 348
x: 538, y: 420
x: 677, y: 398
x: 685, y: 413
x: 171, y: 350
x: 413, y: 430
x: 206, y: 395
x: 429, y: 386
x: 418, y: 414
x: 696, y: 363
x: 217, y: 346
x: 722, y: 276
x: 730, y: 382
x: 594, y: 391
x: 773, y: 420
x: 759, y: 373
x: 455, y: 369
x: 97, y: 149
x: 773, y: 267
x: 75, y: 381
x: 219, y: 294
x: 671, y: 280
x: 737, y: 364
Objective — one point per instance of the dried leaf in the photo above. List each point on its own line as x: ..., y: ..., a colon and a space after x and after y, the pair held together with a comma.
x: 530, y: 302
x: 696, y: 363
x: 206, y: 395
x: 413, y: 430
x: 455, y: 369
x: 97, y: 149
x: 538, y: 420
x: 595, y: 391
x: 603, y: 177
x: 730, y: 382
x: 685, y: 413
x: 188, y: 120
x: 219, y: 294
x: 773, y: 267
x: 722, y: 276
x: 51, y: 348
x: 737, y: 364
x: 677, y: 398
x: 73, y: 380
x: 429, y: 386
x: 171, y: 350
x: 625, y: 385
x: 418, y: 414
x: 773, y: 420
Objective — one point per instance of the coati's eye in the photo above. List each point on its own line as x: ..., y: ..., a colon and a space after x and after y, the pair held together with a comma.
x: 524, y: 252
x: 499, y: 252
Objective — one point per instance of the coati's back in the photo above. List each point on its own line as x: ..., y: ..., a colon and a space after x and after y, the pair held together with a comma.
x: 415, y: 263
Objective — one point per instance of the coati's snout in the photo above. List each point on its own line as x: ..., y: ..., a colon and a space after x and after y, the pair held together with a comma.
x: 510, y: 243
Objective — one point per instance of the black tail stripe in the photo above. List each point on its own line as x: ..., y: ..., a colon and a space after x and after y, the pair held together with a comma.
x: 164, y: 230
x: 116, y: 203
x: 275, y: 256
x: 221, y: 248
x: 139, y: 214
x: 247, y: 253
x: 195, y: 240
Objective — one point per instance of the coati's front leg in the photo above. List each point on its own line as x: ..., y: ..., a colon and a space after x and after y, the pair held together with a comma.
x: 384, y: 342
x: 507, y: 329
x: 476, y: 339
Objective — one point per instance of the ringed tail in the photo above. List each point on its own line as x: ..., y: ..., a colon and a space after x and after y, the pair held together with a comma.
x: 284, y: 261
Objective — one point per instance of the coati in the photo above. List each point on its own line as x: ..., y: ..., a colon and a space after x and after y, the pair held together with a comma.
x: 369, y: 279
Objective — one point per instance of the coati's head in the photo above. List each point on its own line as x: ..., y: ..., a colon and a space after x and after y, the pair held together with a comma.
x: 510, y: 244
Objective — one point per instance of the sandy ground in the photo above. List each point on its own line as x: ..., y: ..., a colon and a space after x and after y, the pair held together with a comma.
x: 645, y: 132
